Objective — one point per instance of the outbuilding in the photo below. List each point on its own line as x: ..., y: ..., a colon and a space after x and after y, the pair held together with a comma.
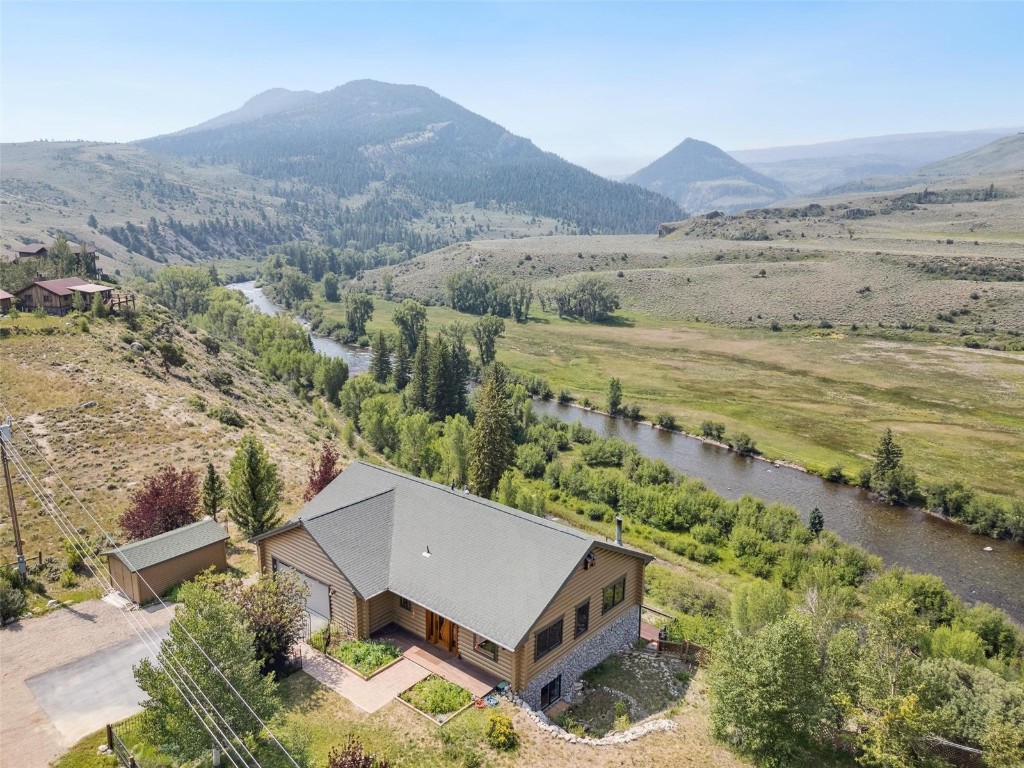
x: 146, y: 569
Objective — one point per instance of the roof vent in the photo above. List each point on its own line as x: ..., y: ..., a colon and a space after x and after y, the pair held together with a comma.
x: 426, y: 552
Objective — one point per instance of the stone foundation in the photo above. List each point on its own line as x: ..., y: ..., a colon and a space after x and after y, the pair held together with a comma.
x: 620, y: 634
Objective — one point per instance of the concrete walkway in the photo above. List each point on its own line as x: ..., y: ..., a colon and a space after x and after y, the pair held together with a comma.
x: 368, y: 695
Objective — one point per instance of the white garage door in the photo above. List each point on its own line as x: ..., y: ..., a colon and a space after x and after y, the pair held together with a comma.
x: 319, y: 599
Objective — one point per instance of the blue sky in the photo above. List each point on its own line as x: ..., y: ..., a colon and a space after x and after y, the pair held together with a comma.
x: 604, y: 84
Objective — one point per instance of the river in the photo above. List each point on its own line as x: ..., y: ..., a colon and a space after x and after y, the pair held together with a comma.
x: 900, y: 536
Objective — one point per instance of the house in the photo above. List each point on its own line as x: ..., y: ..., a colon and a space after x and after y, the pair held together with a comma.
x: 56, y: 296
x: 146, y: 569
x: 41, y: 250
x: 518, y: 596
x: 6, y: 301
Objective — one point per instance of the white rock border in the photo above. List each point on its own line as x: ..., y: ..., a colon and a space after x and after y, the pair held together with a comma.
x: 623, y: 737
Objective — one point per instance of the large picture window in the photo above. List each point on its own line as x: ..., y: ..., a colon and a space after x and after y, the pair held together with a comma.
x: 613, y: 594
x: 582, y: 618
x: 548, y: 639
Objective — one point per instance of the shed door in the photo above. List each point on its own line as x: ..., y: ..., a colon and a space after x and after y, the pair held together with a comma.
x: 319, y: 599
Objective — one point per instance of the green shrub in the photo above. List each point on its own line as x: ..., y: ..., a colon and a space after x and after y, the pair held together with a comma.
x: 501, y: 734
x: 12, y: 601
x: 197, y: 402
x: 366, y: 656
x: 437, y: 696
x: 225, y: 414
x: 68, y: 578
x: 320, y: 639
x: 665, y: 421
x: 73, y: 556
x: 834, y: 474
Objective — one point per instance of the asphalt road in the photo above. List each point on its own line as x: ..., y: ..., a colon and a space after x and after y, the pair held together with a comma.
x: 65, y: 675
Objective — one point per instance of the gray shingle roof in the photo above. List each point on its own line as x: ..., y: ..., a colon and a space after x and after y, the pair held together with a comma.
x: 180, y: 541
x: 491, y: 569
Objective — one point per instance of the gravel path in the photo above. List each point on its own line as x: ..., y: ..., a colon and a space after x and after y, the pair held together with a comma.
x: 28, y: 737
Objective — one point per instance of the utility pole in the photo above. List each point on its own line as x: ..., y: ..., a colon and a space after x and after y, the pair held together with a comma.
x: 5, y: 439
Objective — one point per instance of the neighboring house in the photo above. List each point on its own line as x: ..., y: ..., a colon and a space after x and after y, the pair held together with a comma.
x: 6, y: 301
x: 528, y: 600
x: 146, y: 569
x: 41, y: 250
x: 55, y: 296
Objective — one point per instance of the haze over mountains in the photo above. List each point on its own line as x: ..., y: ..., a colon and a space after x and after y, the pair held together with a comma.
x: 397, y: 170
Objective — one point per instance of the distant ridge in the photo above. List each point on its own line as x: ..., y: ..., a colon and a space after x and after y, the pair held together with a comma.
x: 702, y: 178
x: 832, y: 165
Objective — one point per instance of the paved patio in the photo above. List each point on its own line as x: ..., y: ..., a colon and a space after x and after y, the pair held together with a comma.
x: 419, y: 659
x: 439, y: 662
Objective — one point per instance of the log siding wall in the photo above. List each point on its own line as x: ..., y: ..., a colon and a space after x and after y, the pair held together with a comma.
x: 297, y: 549
x: 582, y: 585
x: 163, y: 576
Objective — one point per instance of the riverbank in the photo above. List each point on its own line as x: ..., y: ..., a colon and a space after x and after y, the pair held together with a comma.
x: 903, y: 537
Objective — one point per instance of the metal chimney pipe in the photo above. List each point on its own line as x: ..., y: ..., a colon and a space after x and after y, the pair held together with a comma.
x: 618, y: 530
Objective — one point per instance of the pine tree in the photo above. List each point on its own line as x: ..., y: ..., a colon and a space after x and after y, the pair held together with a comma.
x: 888, y: 456
x: 254, y: 488
x: 418, y: 387
x: 456, y: 335
x: 493, y: 448
x: 440, y: 381
x: 380, y: 364
x: 817, y: 522
x: 402, y: 369
x: 213, y: 491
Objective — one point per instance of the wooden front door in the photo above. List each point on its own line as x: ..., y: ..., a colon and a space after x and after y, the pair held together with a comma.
x: 442, y: 632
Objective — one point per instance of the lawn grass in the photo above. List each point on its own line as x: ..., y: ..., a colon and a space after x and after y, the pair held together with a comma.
x: 437, y: 697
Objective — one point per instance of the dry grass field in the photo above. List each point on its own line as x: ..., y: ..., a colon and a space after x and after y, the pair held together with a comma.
x: 142, y: 419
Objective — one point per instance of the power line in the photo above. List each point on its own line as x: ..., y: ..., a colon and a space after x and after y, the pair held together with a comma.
x: 117, y: 548
x: 191, y: 692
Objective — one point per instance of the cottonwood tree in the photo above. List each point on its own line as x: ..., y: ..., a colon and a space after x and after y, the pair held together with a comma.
x: 411, y: 319
x: 331, y: 287
x: 358, y: 312
x: 494, y: 450
x: 354, y: 393
x: 330, y: 376
x: 767, y: 691
x: 207, y: 628
x: 254, y: 488
x: 486, y: 332
x: 455, y: 449
x: 614, y: 396
x: 167, y: 500
x: 323, y: 468
x: 213, y: 491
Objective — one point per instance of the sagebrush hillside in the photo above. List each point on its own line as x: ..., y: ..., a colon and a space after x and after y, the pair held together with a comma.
x: 947, y: 261
x: 107, y: 417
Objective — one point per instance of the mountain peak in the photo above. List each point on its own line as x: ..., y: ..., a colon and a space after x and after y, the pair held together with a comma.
x: 701, y: 177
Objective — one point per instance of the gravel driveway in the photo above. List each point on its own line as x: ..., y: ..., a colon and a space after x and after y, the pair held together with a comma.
x: 65, y: 675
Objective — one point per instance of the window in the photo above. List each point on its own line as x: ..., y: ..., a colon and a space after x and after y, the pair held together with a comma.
x: 404, y: 602
x: 551, y: 693
x: 613, y: 594
x: 582, y: 618
x: 487, y: 647
x: 590, y: 560
x: 548, y: 639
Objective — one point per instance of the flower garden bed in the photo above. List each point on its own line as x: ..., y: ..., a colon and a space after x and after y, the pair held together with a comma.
x: 365, y: 658
x: 437, y: 699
